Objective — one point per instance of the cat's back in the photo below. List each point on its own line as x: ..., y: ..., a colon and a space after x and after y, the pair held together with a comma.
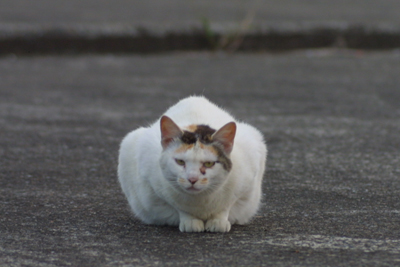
x: 198, y: 110
x: 139, y: 152
x: 249, y: 146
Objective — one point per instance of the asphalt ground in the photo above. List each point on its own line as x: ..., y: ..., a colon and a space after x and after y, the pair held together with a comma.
x: 331, y: 119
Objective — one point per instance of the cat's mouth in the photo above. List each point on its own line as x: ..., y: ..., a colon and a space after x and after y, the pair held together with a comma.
x: 193, y: 189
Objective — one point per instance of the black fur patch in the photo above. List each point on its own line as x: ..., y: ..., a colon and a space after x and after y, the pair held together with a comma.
x: 203, y: 133
x: 223, y: 158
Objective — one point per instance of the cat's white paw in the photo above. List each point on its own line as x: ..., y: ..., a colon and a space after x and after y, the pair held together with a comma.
x: 191, y: 225
x: 218, y: 225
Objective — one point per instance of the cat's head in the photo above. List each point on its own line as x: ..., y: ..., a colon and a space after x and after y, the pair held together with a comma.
x: 196, y: 159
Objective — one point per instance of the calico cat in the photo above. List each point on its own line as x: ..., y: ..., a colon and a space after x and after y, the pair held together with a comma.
x: 195, y: 167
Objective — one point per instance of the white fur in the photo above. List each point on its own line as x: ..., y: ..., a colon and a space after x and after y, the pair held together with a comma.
x: 149, y: 176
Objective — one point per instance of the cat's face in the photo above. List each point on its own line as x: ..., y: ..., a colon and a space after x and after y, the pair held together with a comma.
x: 194, y: 168
x: 196, y: 160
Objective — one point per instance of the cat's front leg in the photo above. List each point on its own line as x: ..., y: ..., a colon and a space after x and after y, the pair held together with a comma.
x: 219, y: 223
x: 189, y: 223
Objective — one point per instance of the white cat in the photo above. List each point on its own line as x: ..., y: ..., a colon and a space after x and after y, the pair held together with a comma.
x: 196, y: 167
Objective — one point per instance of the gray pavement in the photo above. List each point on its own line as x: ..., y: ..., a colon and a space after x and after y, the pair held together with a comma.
x: 331, y: 119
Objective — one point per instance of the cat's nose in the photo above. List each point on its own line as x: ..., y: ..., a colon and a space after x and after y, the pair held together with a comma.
x: 193, y: 180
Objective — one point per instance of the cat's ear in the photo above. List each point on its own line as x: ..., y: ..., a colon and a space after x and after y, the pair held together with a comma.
x: 225, y: 136
x: 169, y: 131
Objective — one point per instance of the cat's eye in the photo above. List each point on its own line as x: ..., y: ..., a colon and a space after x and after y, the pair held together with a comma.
x: 180, y: 162
x: 209, y: 164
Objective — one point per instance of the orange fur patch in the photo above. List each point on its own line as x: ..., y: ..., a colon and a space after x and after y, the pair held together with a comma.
x: 184, y: 147
x: 204, y: 181
x: 192, y: 128
x: 211, y: 149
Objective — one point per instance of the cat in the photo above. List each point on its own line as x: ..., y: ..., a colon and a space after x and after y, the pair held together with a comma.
x: 196, y: 168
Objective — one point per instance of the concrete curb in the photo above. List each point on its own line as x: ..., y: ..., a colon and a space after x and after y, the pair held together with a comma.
x: 100, y: 40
